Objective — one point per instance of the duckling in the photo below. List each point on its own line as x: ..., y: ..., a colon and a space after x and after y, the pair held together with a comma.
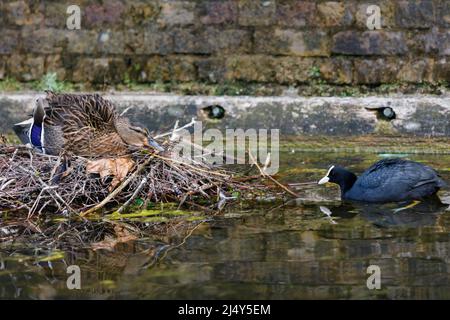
x: 82, y: 124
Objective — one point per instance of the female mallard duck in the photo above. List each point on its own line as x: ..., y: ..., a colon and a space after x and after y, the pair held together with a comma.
x: 82, y: 124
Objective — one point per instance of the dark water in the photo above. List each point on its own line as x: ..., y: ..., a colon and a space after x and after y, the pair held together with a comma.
x: 314, y: 247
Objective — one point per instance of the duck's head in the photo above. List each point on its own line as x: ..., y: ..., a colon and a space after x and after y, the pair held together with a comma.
x: 135, y: 136
x: 341, y: 176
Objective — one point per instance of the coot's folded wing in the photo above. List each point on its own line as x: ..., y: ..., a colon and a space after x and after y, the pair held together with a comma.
x: 398, y: 174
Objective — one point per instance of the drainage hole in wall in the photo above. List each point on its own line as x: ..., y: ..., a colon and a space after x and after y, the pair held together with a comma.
x: 386, y: 113
x: 214, y: 111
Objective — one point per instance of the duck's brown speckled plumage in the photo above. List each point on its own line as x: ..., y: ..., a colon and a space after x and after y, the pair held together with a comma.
x: 88, y: 125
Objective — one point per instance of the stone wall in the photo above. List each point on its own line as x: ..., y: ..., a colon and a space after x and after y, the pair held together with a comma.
x: 283, y: 42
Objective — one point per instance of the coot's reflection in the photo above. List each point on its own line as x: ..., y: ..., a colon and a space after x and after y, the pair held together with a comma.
x: 411, y: 214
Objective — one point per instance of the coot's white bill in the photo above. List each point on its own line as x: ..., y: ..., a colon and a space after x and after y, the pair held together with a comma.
x: 323, y: 180
x: 326, y: 178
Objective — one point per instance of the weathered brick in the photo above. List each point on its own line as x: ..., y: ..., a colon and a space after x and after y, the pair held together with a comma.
x: 190, y: 41
x: 54, y: 63
x: 99, y: 70
x: 210, y: 40
x: 415, y: 13
x: 257, y: 68
x: 9, y: 41
x: 334, y: 13
x: 149, y: 40
x: 290, y: 70
x: 441, y: 70
x: 443, y: 13
x: 183, y: 69
x: 376, y: 71
x: 84, y: 67
x: 25, y: 67
x: 336, y: 70
x: 430, y: 42
x: 19, y: 13
x: 444, y: 43
x: 105, y: 14
x: 157, y: 42
x: 55, y: 14
x: 47, y: 40
x: 3, y: 21
x: 296, y: 13
x: 81, y: 41
x: 416, y: 71
x: 177, y: 13
x: 423, y: 42
x: 111, y: 41
x: 228, y: 41
x: 156, y: 69
x: 211, y: 69
x: 3, y: 67
x: 292, y: 42
x: 70, y: 62
x: 219, y: 12
x: 134, y: 41
x: 387, y: 10
x: 140, y: 13
x: 257, y: 12
x: 220, y: 40
x: 369, y: 43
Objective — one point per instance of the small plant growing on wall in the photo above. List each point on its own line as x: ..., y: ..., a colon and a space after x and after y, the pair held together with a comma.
x: 50, y: 82
x: 314, y: 72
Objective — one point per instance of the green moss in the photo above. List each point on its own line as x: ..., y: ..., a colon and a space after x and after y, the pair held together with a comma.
x: 155, y: 219
x: 147, y: 213
x: 50, y: 82
x: 315, y: 86
x: 53, y: 256
x: 350, y: 92
x: 314, y: 73
x: 11, y: 138
x: 10, y: 84
x: 367, y: 144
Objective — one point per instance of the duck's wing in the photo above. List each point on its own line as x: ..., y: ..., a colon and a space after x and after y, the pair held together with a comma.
x: 399, y: 175
x: 22, y: 130
x: 76, y: 111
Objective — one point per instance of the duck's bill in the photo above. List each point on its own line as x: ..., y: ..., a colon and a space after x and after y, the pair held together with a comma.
x: 323, y: 180
x: 155, y: 145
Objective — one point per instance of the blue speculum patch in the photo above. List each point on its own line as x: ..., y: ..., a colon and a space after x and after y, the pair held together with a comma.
x: 36, y: 135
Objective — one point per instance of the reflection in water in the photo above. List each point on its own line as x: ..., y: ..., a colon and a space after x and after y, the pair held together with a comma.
x: 328, y: 213
x: 315, y: 247
x: 411, y: 214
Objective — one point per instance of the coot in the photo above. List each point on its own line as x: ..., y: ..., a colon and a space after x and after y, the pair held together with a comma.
x: 388, y: 180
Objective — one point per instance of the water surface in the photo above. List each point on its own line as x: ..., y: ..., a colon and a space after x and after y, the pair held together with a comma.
x: 314, y: 247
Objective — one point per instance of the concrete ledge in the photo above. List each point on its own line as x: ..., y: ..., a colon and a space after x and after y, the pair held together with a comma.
x: 415, y: 115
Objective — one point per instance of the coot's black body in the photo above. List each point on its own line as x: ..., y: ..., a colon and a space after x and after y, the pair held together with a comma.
x: 388, y: 180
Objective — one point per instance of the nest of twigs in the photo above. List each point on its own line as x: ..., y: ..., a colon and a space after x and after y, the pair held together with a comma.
x: 34, y: 182
x: 34, y: 186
